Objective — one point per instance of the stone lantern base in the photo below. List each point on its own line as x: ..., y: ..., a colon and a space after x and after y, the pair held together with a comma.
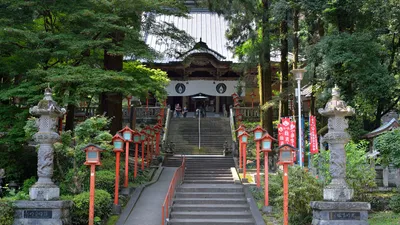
x: 42, y: 212
x: 340, y: 213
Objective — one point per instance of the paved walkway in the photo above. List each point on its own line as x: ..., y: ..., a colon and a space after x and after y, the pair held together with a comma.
x: 147, y: 210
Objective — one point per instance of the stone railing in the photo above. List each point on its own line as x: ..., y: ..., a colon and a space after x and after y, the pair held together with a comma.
x: 249, y: 113
x: 233, y: 132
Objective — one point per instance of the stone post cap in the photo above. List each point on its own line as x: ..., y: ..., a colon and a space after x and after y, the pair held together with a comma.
x: 336, y: 106
x: 47, y: 106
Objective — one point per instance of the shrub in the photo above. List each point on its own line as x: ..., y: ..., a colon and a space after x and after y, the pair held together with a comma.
x: 6, y: 212
x: 27, y: 184
x: 380, y: 201
x: 395, y: 203
x: 80, y: 212
x: 105, y: 180
x: 303, y: 188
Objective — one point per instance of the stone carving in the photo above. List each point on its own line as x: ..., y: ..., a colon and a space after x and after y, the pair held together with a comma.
x: 336, y: 109
x: 49, y: 112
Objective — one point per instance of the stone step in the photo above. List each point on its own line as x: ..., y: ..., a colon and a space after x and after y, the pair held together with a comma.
x: 209, y: 201
x: 209, y: 195
x: 192, y: 178
x: 201, y: 188
x: 208, y: 171
x: 211, y: 222
x: 211, y: 215
x: 209, y: 181
x: 206, y: 175
x: 210, y: 207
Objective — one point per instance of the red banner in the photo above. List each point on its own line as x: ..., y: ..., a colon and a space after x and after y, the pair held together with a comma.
x: 287, y: 133
x: 313, y: 135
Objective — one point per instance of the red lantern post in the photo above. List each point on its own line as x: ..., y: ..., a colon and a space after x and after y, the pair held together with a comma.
x: 118, y: 143
x: 136, y: 140
x: 129, y: 98
x: 244, y: 138
x: 127, y: 134
x: 148, y: 137
x: 92, y: 159
x: 240, y: 131
x: 266, y: 147
x: 252, y: 99
x: 157, y: 130
x: 258, y: 134
x: 285, y: 159
x: 143, y: 139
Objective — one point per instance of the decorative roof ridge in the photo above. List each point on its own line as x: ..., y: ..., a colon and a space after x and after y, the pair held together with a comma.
x: 198, y: 47
x: 391, y: 124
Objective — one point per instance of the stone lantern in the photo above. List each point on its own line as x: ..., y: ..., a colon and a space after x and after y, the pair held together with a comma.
x: 336, y: 207
x: 45, y: 206
x: 48, y: 112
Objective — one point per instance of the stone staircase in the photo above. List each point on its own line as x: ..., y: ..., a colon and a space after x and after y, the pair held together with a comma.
x: 214, y: 131
x: 208, y: 195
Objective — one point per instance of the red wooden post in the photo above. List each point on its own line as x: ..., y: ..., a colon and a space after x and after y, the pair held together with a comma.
x: 266, y: 184
x: 240, y: 154
x: 129, y: 104
x: 266, y: 147
x: 244, y: 160
x: 252, y: 99
x: 142, y: 165
x: 127, y: 134
x: 285, y: 159
x: 148, y: 151
x: 136, y: 159
x: 92, y: 159
x: 126, y: 164
x: 258, y: 179
x: 92, y: 190
x: 285, y: 194
x: 244, y: 138
x: 118, y: 142
x: 143, y: 139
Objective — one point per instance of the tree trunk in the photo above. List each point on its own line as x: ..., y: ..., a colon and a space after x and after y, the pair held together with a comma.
x: 284, y: 106
x: 111, y: 103
x: 69, y: 121
x: 295, y: 38
x: 266, y: 73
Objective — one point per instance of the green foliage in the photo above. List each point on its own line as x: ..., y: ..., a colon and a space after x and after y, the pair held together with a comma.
x: 359, y: 175
x: 303, y: 188
x: 80, y: 212
x: 379, y: 201
x: 395, y: 203
x: 6, y: 212
x: 383, y: 218
x: 28, y: 183
x: 388, y: 144
x: 105, y: 180
x: 69, y: 157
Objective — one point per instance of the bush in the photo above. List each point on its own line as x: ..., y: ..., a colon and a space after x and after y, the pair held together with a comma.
x: 6, y: 212
x: 27, y: 184
x: 105, y: 180
x: 395, y: 203
x: 379, y: 201
x: 80, y: 212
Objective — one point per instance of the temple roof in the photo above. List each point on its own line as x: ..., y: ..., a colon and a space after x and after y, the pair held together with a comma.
x: 207, y: 28
x: 385, y: 127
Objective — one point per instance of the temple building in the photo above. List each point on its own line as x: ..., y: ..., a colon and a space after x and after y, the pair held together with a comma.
x: 208, y: 70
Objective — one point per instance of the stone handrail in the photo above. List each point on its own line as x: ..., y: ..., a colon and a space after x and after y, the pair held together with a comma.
x: 168, y: 117
x: 147, y: 112
x: 232, y: 124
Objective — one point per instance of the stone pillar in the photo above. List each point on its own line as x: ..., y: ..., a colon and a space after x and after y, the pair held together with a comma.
x: 385, y: 176
x: 44, y: 207
x: 336, y: 208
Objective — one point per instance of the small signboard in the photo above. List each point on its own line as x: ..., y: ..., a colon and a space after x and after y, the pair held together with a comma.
x: 38, y: 214
x: 344, y: 216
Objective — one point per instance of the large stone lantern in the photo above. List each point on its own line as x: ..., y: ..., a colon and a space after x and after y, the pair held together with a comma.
x: 49, y: 114
x: 337, y: 207
x: 44, y: 207
x: 337, y: 137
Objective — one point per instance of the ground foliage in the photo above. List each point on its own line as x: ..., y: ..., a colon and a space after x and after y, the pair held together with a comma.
x: 388, y: 145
